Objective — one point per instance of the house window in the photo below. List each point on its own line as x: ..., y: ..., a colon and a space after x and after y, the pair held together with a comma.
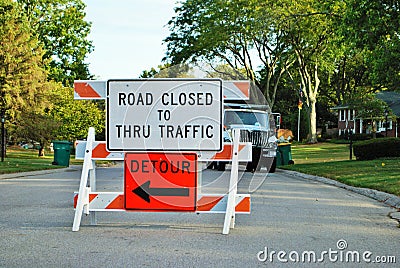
x: 342, y: 114
x: 389, y: 124
x: 382, y: 125
x: 351, y: 115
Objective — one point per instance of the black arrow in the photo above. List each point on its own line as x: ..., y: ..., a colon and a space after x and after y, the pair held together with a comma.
x: 144, y: 191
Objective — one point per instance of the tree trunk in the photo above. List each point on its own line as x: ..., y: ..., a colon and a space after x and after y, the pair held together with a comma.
x: 313, y: 101
x: 313, y: 121
x: 310, y: 85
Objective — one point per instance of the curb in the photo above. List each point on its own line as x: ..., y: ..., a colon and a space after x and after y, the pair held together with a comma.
x: 47, y: 171
x: 388, y: 199
x: 34, y: 173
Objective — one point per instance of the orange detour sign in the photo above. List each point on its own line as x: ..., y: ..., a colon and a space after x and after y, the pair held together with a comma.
x: 160, y: 181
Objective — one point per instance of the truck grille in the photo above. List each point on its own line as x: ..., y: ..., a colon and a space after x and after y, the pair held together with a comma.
x: 256, y: 137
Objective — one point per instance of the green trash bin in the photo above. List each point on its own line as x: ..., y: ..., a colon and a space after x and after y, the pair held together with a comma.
x: 284, y: 154
x: 278, y: 157
x: 62, y: 153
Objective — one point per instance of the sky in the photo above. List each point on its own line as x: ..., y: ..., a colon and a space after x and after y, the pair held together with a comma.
x: 127, y: 36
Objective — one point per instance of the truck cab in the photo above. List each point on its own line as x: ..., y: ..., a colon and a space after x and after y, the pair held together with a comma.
x: 257, y: 125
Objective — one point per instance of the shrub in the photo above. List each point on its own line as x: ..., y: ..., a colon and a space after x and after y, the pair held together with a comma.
x: 376, y: 148
x: 355, y: 137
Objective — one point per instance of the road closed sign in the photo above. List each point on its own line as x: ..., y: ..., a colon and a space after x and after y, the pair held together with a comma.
x: 160, y: 181
x: 164, y: 115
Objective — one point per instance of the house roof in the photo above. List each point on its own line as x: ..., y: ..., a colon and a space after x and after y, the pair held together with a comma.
x: 340, y: 107
x: 390, y: 97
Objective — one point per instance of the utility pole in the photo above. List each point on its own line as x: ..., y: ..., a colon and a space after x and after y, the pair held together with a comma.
x: 3, y: 138
x: 351, y: 144
x: 298, y: 127
x: 299, y: 106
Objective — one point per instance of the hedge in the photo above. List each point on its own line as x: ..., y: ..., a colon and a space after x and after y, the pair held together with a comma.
x: 376, y: 148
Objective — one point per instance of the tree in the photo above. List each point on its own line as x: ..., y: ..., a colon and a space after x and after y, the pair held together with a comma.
x: 148, y: 74
x: 275, y: 33
x: 36, y: 108
x: 241, y: 33
x: 374, y: 26
x: 169, y: 71
x: 351, y: 76
x: 62, y: 30
x: 75, y: 116
x: 64, y: 119
x: 311, y: 33
x: 23, y: 81
x: 225, y: 72
x: 38, y: 127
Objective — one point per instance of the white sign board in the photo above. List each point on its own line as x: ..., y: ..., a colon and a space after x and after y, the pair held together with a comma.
x: 164, y: 115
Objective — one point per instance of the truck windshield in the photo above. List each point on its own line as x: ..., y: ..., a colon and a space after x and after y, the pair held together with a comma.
x: 245, y: 118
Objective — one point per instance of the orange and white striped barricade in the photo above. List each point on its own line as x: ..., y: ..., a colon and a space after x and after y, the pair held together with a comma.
x: 236, y: 90
x: 90, y: 89
x: 99, y: 152
x: 206, y: 203
x: 89, y: 201
x: 97, y: 89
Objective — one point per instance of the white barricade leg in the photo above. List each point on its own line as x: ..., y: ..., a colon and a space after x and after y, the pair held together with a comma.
x: 230, y: 208
x: 199, y: 177
x: 92, y: 180
x: 84, y: 191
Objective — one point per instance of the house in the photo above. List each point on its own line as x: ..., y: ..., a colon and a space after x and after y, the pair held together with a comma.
x: 348, y: 120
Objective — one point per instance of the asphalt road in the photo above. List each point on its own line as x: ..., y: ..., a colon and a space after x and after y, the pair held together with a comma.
x: 294, y: 222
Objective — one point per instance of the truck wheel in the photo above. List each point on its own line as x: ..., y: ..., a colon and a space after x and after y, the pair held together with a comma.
x: 221, y: 166
x: 273, y: 166
x: 250, y: 167
x: 212, y: 165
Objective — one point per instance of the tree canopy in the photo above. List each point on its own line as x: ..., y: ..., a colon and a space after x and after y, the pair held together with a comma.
x: 374, y: 26
x: 273, y: 34
x: 42, y: 50
x: 61, y: 28
x: 243, y: 34
x: 337, y: 48
x: 75, y: 116
x: 168, y: 71
x: 23, y: 81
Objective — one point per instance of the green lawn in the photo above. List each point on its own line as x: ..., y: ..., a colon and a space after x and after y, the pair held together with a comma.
x: 22, y: 160
x: 332, y: 161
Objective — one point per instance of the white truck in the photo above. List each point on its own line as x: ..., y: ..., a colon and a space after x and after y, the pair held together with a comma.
x: 257, y: 125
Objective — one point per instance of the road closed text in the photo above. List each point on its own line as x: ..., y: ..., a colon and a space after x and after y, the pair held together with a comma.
x: 168, y: 98
x: 166, y: 131
x: 167, y: 115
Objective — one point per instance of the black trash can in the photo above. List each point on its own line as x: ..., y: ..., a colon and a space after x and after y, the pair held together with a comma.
x: 62, y: 153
